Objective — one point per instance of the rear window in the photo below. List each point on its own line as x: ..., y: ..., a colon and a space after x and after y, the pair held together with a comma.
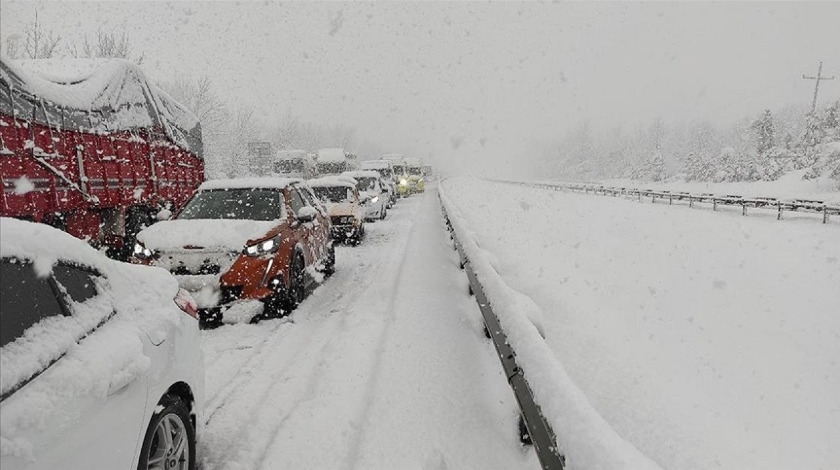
x: 25, y: 299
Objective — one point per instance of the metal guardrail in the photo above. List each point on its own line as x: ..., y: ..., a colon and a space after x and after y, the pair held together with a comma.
x: 779, y: 205
x: 540, y: 432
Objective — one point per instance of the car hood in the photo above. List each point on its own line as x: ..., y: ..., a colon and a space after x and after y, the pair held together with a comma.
x: 342, y: 208
x: 208, y: 234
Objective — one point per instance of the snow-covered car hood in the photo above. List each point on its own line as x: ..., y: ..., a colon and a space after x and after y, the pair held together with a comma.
x: 209, y: 234
x: 342, y: 208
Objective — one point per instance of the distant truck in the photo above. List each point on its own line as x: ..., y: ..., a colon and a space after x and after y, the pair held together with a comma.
x: 91, y: 147
x: 332, y: 161
x: 295, y: 164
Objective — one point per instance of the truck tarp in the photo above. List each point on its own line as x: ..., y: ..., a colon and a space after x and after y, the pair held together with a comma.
x: 93, y: 95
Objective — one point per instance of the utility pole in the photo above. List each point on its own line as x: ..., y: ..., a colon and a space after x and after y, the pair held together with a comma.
x: 817, y: 86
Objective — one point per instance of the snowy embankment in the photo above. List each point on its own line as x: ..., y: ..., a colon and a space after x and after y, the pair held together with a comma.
x: 703, y: 340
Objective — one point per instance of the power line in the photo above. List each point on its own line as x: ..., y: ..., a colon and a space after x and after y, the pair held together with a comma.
x: 817, y: 86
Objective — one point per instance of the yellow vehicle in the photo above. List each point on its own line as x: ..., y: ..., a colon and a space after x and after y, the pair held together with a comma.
x: 417, y: 183
x: 403, y: 188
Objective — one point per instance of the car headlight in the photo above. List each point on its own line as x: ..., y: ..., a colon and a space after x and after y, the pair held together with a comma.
x: 403, y: 182
x: 141, y: 252
x: 374, y: 200
x: 264, y: 247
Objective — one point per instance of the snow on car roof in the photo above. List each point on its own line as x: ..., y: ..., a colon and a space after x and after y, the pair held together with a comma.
x: 393, y: 156
x: 375, y: 164
x: 290, y: 154
x: 332, y: 181
x: 331, y: 155
x: 246, y: 183
x: 361, y: 174
x: 43, y: 245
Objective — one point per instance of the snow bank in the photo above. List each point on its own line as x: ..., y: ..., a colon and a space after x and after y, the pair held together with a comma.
x: 706, y: 340
x: 584, y: 436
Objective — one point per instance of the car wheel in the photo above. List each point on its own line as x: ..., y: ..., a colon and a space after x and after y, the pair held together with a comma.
x: 297, y: 285
x: 170, y: 438
x: 329, y: 262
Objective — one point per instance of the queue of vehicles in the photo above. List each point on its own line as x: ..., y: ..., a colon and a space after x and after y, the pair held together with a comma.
x: 100, y: 362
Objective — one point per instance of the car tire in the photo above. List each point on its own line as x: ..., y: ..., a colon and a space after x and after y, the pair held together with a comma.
x: 297, y: 283
x: 329, y: 261
x: 173, y: 417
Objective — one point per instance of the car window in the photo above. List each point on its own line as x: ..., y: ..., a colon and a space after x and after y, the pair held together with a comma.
x: 295, y: 200
x: 79, y: 283
x: 25, y: 299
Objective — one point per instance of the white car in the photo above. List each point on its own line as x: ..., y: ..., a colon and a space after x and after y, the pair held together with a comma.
x: 100, y: 361
x: 373, y: 193
x: 386, y: 171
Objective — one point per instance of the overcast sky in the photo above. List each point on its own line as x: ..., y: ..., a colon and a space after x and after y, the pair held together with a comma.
x: 418, y: 77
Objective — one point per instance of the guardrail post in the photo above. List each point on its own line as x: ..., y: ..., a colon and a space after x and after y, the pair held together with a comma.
x: 714, y: 204
x: 825, y: 214
x: 743, y: 209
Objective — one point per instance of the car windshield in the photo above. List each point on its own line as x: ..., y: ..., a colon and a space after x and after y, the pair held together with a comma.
x: 241, y: 203
x: 417, y: 171
x: 333, y: 193
x: 398, y: 169
x: 366, y: 184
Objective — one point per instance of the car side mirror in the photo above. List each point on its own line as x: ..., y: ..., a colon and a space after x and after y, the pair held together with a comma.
x: 164, y: 214
x: 306, y: 214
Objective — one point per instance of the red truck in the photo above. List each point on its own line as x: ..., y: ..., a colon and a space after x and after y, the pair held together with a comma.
x: 91, y: 147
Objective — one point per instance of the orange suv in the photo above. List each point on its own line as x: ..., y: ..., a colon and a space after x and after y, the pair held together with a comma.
x: 260, y: 241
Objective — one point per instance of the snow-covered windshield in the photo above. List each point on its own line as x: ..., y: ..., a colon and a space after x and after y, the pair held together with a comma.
x: 247, y: 203
x: 333, y: 193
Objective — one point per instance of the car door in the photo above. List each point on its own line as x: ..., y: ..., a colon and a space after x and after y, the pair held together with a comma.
x: 80, y: 401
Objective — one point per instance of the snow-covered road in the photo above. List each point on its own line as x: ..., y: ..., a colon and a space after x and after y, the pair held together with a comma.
x: 705, y: 339
x: 384, y: 366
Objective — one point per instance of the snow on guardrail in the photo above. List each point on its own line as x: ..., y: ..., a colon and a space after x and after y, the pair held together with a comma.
x: 583, y: 437
x: 745, y: 202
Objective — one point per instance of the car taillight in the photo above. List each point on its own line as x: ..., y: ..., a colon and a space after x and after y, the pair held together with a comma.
x: 185, y: 302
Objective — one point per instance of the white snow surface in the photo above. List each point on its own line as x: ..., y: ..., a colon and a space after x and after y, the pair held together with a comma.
x: 248, y: 183
x: 211, y: 234
x: 384, y: 366
x: 703, y: 339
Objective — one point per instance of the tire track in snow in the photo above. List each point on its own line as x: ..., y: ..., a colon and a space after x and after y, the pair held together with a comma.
x: 393, y: 293
x: 363, y: 298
